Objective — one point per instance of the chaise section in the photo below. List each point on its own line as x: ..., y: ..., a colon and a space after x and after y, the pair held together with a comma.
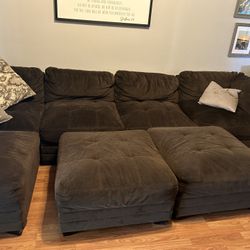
x: 193, y: 84
x: 211, y: 165
x: 76, y: 100
x: 109, y: 179
x: 146, y: 100
x: 19, y: 161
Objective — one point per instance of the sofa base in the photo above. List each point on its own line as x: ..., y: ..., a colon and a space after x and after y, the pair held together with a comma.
x: 105, y: 218
x: 48, y: 154
x: 19, y: 159
x: 205, y: 205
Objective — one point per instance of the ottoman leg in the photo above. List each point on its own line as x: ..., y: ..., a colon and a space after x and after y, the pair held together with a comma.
x: 17, y: 233
x: 68, y: 234
x: 162, y: 223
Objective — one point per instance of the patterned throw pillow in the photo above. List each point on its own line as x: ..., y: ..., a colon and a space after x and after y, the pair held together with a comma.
x: 4, y: 117
x: 13, y: 88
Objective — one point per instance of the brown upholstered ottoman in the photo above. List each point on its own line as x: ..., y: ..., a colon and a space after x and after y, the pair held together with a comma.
x: 19, y: 161
x: 109, y: 179
x: 211, y: 165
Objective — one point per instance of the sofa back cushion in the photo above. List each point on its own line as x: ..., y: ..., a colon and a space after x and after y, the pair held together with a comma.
x: 34, y: 77
x: 70, y: 84
x: 244, y: 97
x: 193, y: 83
x: 140, y: 86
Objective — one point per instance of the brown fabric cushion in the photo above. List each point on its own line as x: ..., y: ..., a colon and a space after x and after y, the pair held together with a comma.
x: 119, y: 169
x: 140, y: 86
x: 108, y: 179
x: 70, y: 84
x: 193, y: 83
x: 19, y: 161
x: 78, y: 115
x: 27, y: 114
x: 237, y: 123
x: 244, y: 97
x: 147, y: 114
x: 34, y: 77
x: 211, y: 165
x: 26, y: 117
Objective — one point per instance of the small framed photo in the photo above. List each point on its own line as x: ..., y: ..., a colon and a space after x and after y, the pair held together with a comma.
x: 242, y: 9
x: 240, y: 45
x: 116, y: 12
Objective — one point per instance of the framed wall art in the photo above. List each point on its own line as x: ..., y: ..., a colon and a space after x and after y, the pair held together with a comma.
x: 240, y: 45
x: 242, y: 9
x: 121, y: 12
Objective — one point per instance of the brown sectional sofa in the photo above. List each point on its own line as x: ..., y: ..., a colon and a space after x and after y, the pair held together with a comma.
x: 75, y: 100
x: 92, y: 101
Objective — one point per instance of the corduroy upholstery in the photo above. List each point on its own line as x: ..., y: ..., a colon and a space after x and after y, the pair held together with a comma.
x: 107, y: 179
x: 146, y: 100
x: 211, y: 165
x: 19, y: 161
x: 192, y: 85
x: 27, y: 114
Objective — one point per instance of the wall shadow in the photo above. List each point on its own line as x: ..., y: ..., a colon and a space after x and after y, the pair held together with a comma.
x: 246, y: 69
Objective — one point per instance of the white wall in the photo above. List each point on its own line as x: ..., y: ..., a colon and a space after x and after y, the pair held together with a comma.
x: 184, y: 34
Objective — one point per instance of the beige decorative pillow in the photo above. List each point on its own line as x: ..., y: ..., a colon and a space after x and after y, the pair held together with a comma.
x: 4, y: 117
x: 13, y: 88
x: 218, y: 97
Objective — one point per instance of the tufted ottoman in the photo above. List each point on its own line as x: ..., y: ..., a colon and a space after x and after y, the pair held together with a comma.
x: 108, y: 179
x: 211, y: 165
x: 19, y: 161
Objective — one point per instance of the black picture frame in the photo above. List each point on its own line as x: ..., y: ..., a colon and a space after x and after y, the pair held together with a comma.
x: 59, y: 16
x: 242, y: 9
x: 240, y: 44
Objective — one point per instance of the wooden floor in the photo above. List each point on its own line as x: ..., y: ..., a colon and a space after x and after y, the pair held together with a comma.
x: 221, y: 231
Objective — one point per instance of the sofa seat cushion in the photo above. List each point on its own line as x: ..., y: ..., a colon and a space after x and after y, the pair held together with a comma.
x: 119, y: 176
x: 211, y: 165
x: 237, y: 123
x: 147, y: 114
x: 26, y: 117
x: 19, y: 161
x: 78, y: 115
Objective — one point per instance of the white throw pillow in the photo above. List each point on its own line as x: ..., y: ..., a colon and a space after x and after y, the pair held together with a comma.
x: 218, y: 97
x: 13, y: 88
x: 4, y: 117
